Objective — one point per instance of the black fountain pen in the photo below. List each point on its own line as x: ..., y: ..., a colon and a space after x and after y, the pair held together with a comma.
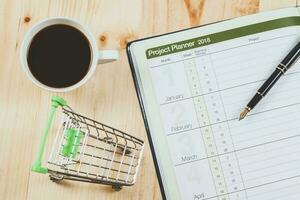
x: 287, y: 62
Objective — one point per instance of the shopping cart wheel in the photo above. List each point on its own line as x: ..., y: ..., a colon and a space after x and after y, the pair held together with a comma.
x: 116, y: 187
x: 56, y: 179
x: 127, y: 152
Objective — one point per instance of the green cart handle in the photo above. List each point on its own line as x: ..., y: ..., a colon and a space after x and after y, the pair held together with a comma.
x: 37, y: 165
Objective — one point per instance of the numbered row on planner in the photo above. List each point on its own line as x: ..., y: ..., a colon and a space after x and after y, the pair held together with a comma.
x: 196, y: 145
x: 172, y: 81
x: 204, y: 185
x: 185, y: 115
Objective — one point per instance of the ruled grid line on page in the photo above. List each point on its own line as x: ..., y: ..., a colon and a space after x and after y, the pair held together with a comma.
x: 290, y: 186
x: 232, y: 119
x: 216, y: 91
x: 237, y: 150
x: 249, y: 188
x: 261, y: 161
x: 260, y: 177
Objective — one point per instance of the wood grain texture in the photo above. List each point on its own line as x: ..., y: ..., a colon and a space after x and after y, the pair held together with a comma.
x: 270, y: 4
x: 109, y: 96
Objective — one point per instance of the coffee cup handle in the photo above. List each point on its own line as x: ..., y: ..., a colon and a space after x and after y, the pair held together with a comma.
x: 105, y: 56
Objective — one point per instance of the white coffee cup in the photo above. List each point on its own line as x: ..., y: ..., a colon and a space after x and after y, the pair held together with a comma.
x: 97, y: 57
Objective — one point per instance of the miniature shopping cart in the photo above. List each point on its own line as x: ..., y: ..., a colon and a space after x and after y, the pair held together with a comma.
x: 88, y: 151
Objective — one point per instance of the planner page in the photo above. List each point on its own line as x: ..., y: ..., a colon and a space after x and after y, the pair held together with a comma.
x: 193, y: 90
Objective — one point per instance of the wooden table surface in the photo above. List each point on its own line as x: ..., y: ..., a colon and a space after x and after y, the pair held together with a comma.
x: 108, y: 97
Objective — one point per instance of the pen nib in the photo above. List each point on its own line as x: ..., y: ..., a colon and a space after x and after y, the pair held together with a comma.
x: 243, y: 114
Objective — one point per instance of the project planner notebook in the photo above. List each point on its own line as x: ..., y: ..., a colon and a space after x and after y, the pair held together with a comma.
x: 192, y: 85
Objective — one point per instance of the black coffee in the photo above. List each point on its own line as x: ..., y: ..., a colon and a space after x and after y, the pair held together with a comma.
x: 59, y: 56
